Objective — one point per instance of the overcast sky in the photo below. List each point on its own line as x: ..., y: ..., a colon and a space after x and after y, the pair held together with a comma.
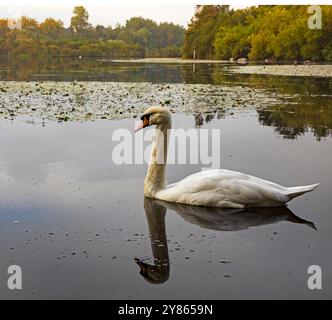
x: 103, y: 14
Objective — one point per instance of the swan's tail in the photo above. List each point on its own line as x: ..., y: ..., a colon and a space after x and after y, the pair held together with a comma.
x: 297, y: 191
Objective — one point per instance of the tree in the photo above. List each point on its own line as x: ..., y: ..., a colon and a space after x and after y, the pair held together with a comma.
x: 29, y: 23
x: 3, y: 28
x: 201, y: 31
x: 79, y: 22
x: 51, y: 27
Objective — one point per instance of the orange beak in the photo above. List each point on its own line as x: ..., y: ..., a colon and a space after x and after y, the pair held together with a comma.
x: 144, y: 123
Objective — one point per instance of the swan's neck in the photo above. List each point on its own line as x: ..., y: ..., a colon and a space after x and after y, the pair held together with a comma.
x: 155, y: 179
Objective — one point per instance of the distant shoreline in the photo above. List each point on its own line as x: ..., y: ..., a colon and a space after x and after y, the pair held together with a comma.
x: 234, y: 62
x: 165, y: 60
x: 300, y: 70
x: 312, y: 70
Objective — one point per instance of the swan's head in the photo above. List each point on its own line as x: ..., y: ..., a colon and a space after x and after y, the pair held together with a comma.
x: 158, y: 116
x: 153, y: 274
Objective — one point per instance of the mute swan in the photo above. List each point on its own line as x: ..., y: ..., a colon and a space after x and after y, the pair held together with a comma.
x: 212, y: 188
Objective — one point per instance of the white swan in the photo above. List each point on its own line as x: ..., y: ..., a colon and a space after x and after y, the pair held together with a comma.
x: 212, y: 188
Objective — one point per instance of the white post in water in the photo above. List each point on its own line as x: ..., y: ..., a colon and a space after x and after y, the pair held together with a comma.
x: 194, y: 56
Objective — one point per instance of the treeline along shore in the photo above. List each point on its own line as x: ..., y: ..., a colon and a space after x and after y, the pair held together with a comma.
x: 138, y: 38
x: 215, y: 32
x: 272, y: 33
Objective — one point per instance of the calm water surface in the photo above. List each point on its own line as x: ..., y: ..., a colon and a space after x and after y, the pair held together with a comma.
x: 79, y: 226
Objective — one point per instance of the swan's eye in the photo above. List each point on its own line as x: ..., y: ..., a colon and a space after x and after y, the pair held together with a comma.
x: 146, y: 116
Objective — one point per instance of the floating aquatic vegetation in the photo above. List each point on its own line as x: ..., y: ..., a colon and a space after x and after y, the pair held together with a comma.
x: 81, y: 101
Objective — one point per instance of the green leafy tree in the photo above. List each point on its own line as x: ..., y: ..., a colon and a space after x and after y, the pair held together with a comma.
x: 80, y: 21
x: 201, y: 31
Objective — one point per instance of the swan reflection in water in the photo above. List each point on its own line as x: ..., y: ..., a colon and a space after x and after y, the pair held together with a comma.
x: 218, y: 219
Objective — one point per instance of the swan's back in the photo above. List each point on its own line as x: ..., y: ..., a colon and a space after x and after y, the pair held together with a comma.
x: 228, y: 189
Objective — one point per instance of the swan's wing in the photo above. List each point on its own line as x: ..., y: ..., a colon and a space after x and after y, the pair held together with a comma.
x: 222, y: 174
x: 224, y: 188
x: 252, y: 192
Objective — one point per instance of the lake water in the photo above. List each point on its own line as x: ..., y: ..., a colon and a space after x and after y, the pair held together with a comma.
x: 79, y: 226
